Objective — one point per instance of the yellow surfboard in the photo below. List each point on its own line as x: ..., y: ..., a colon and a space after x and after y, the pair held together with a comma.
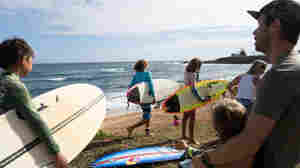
x: 182, y: 100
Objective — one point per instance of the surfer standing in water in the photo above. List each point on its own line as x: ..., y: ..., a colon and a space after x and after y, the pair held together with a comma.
x: 143, y: 76
x: 191, y: 76
x: 17, y: 63
x: 247, y: 83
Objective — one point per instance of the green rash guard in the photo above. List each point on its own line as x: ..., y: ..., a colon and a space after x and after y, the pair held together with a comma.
x: 15, y: 95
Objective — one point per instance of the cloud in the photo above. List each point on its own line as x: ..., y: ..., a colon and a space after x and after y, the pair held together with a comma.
x: 95, y: 17
x: 188, y: 34
x: 49, y: 15
x: 186, y: 42
x: 48, y: 4
x: 130, y: 29
x: 213, y: 43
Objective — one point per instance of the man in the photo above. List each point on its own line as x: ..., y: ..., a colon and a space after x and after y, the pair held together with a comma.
x: 272, y: 130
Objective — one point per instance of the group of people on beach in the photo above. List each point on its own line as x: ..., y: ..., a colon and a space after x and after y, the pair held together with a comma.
x: 258, y: 129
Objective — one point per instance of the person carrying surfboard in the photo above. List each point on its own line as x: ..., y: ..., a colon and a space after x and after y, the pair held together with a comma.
x: 17, y: 63
x: 247, y: 83
x: 143, y: 76
x: 191, y: 75
x: 272, y: 129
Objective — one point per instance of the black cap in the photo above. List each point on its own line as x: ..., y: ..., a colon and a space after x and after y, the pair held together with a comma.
x: 254, y: 14
x: 284, y: 10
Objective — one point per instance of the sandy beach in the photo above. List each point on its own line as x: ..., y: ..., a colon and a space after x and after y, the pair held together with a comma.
x: 114, y: 137
x: 117, y: 125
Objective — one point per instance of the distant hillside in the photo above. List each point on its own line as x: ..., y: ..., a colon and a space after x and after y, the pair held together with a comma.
x: 235, y: 60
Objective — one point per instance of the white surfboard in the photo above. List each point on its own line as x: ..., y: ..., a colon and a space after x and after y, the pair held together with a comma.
x: 162, y: 87
x: 74, y: 113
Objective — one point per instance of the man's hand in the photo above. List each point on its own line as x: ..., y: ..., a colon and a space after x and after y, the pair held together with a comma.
x: 61, y: 161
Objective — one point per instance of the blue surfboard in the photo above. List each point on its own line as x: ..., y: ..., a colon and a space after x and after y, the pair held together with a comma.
x: 138, y: 156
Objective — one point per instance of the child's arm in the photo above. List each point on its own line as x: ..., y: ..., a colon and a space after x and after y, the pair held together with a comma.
x: 195, y: 92
x: 207, y: 146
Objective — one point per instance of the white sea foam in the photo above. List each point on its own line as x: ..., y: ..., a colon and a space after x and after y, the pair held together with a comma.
x: 45, y: 79
x: 112, y: 70
x: 57, y: 79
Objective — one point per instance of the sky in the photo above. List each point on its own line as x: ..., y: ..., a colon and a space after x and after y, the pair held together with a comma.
x: 127, y: 30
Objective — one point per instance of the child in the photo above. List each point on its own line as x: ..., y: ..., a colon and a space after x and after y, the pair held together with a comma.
x: 190, y: 78
x: 229, y: 119
x: 142, y: 76
x: 247, y: 83
x: 17, y: 60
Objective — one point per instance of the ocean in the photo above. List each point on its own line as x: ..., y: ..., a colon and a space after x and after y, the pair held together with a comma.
x: 113, y: 77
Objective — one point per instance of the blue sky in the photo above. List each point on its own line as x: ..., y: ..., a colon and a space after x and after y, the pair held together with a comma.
x: 127, y: 30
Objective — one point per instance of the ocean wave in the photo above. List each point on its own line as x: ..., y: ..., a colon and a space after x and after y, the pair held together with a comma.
x: 174, y: 63
x: 113, y: 70
x: 45, y: 79
x: 113, y: 78
x: 58, y: 79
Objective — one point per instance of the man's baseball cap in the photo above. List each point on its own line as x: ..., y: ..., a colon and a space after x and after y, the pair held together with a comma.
x: 284, y: 10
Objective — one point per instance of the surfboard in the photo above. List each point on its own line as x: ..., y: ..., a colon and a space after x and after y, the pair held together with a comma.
x: 182, y: 100
x: 138, y: 156
x: 139, y: 93
x: 74, y: 113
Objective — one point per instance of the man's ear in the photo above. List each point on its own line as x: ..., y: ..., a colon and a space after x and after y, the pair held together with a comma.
x: 275, y: 29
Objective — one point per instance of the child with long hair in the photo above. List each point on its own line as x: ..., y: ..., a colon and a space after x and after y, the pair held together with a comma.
x: 143, y: 76
x: 190, y: 78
